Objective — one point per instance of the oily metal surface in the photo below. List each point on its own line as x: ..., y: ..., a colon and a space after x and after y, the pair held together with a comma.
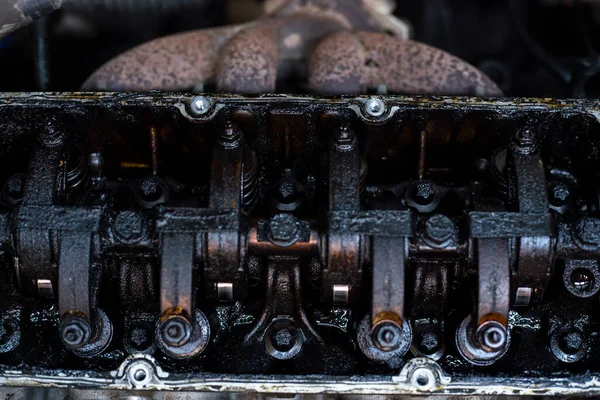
x: 235, y: 371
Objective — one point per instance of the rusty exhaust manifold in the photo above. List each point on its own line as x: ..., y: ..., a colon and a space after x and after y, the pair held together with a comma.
x: 310, y: 43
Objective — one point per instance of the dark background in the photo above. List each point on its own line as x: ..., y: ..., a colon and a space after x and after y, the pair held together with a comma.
x: 530, y: 48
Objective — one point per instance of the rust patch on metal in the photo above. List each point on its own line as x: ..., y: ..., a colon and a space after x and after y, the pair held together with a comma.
x: 344, y: 62
x: 248, y: 62
x: 176, y: 62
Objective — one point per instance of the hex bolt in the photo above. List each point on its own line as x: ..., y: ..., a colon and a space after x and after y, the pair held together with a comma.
x: 284, y: 230
x: 559, y: 193
x: 344, y: 139
x: 286, y: 191
x: 151, y: 191
x: 429, y: 343
x: 422, y: 195
x: 439, y: 230
x: 141, y: 338
x: 75, y: 332
x: 424, y: 192
x: 492, y: 336
x: 387, y: 336
x: 587, y: 232
x: 200, y: 105
x: 571, y: 342
x: 129, y: 226
x: 284, y: 340
x: 176, y: 331
x: 375, y: 107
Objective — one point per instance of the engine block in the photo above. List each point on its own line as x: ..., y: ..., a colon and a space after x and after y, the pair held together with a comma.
x: 281, y: 244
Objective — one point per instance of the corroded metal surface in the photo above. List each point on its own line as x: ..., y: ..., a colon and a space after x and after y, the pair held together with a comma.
x: 284, y: 45
x: 280, y: 316
x: 248, y: 62
x: 176, y: 62
x: 346, y: 63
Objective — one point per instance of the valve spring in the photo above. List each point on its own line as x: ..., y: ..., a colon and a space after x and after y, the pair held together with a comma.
x: 250, y: 180
x: 364, y: 171
x: 77, y: 171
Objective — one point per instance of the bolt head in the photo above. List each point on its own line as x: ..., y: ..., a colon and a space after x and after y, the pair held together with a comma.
x: 424, y: 192
x: 284, y: 229
x: 571, y: 342
x: 129, y: 226
x: 176, y: 331
x: 283, y: 339
x: 375, y: 107
x: 492, y: 336
x: 75, y: 332
x: 439, y: 229
x: 141, y: 338
x: 200, y: 105
x: 587, y: 231
x: 559, y: 193
x: 387, y: 336
x: 429, y: 342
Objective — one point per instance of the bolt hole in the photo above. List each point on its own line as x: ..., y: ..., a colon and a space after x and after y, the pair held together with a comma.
x: 494, y: 337
x: 139, y: 375
x: 422, y: 380
x: 370, y: 63
x: 582, y: 279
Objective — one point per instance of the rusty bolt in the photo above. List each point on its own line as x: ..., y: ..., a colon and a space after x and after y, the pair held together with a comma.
x: 176, y: 331
x: 75, y: 332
